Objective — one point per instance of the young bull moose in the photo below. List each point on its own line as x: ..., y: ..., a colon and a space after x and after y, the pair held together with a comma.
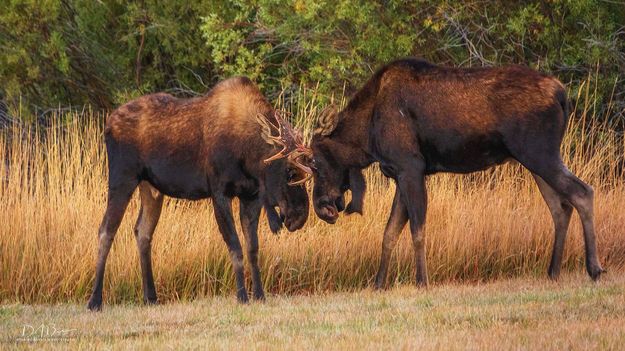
x: 416, y: 119
x: 216, y: 146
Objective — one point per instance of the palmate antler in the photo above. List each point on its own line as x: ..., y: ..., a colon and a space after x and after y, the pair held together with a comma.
x: 291, y: 141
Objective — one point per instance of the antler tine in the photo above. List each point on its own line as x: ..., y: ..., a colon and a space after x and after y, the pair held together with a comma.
x: 287, y: 137
x: 270, y: 138
x: 290, y: 139
x: 294, y: 157
x: 301, y: 181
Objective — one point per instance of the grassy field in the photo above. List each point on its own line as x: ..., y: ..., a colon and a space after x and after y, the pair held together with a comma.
x: 489, y: 238
x: 480, y: 227
x: 505, y: 315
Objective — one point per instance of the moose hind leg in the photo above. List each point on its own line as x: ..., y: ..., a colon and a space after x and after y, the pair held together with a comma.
x: 396, y: 222
x: 151, y: 205
x: 561, y: 211
x: 580, y: 195
x: 118, y: 198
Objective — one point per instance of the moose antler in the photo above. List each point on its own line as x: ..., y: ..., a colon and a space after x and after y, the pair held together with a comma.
x: 291, y: 141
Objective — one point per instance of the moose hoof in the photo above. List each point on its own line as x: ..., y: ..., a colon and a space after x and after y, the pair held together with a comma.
x: 595, y: 272
x: 553, y: 275
x: 259, y: 296
x: 150, y: 302
x: 379, y: 286
x: 242, y: 298
x: 94, y: 305
x: 422, y: 283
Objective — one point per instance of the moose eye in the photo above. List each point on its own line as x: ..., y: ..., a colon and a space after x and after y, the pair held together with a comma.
x: 291, y: 175
x: 312, y: 164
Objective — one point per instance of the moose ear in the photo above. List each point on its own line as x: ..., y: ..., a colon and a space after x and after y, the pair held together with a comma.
x: 328, y: 120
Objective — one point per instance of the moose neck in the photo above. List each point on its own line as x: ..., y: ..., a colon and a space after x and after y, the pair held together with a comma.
x: 352, y: 131
x: 351, y: 139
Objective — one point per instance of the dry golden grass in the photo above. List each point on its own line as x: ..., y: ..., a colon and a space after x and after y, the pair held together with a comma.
x: 515, y: 314
x: 479, y: 227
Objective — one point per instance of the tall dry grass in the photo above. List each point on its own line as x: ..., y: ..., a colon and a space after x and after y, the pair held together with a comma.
x: 483, y: 226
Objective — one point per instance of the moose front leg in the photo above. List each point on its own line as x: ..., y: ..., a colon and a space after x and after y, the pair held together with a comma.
x: 411, y: 183
x: 396, y: 222
x: 249, y: 213
x: 223, y: 215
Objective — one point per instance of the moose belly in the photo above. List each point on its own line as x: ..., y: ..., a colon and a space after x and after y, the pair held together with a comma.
x: 177, y: 179
x: 463, y: 155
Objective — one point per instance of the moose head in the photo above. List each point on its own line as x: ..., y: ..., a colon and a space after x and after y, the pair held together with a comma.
x: 306, y: 162
x: 289, y: 162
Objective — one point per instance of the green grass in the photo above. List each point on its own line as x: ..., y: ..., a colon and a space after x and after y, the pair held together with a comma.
x: 508, y: 314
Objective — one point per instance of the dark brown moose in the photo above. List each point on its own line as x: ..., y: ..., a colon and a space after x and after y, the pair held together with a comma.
x: 416, y: 119
x: 218, y: 146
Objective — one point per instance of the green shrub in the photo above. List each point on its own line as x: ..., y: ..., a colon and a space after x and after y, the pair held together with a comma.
x: 101, y: 53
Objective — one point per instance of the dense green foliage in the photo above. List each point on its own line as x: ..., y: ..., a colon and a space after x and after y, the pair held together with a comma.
x: 101, y: 53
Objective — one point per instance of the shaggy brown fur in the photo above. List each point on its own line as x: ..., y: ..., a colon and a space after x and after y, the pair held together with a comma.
x: 415, y: 119
x: 210, y: 146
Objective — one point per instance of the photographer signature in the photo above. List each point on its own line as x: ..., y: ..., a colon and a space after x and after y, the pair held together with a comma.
x: 44, y: 332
